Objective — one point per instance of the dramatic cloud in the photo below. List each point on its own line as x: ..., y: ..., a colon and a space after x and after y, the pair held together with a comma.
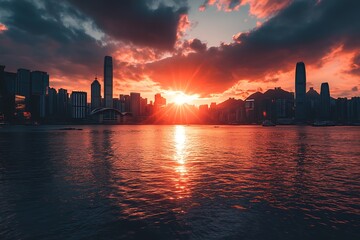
x: 197, y: 45
x: 141, y: 22
x: 304, y: 31
x: 260, y: 8
x: 69, y: 39
x: 40, y: 38
x: 355, y: 67
x: 148, y: 42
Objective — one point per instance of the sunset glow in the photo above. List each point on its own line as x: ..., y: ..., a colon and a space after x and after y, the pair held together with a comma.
x: 207, y: 49
x: 181, y: 98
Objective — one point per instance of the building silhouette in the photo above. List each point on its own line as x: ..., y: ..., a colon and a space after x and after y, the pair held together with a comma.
x: 39, y: 90
x: 124, y: 103
x: 325, y: 105
x: 25, y: 97
x: 63, y: 104
x: 300, y: 92
x: 312, y: 104
x: 95, y: 94
x: 51, y: 103
x: 78, y: 105
x: 135, y: 104
x: 354, y: 109
x: 23, y: 82
x: 108, y: 82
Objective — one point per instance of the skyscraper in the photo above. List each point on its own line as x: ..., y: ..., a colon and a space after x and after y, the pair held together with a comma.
x: 108, y: 82
x: 39, y: 90
x: 52, y: 102
x: 135, y: 104
x: 78, y: 104
x: 300, y: 92
x: 23, y: 82
x: 95, y: 94
x: 325, y: 101
x: 63, y: 104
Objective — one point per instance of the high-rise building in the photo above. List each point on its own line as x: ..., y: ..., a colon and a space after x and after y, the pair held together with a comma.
x: 312, y: 104
x: 10, y: 83
x: 39, y: 89
x: 23, y: 82
x: 117, y: 104
x: 342, y: 109
x: 78, y: 105
x: 135, y: 104
x: 325, y: 101
x: 300, y: 92
x: 63, y: 103
x: 52, y: 103
x: 143, y: 105
x: 7, y: 94
x: 95, y: 94
x: 108, y: 82
x: 354, y: 109
x: 125, y: 103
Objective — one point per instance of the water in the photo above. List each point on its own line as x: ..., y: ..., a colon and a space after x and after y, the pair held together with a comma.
x: 180, y: 182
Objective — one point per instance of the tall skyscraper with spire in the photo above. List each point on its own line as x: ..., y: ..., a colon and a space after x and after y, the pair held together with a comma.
x: 108, y: 82
x: 300, y: 92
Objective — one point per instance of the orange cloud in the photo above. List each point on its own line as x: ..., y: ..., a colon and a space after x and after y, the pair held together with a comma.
x: 266, y: 8
x: 3, y: 28
x: 260, y: 8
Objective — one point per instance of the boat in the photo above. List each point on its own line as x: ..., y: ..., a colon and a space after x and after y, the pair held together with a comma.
x: 323, y: 124
x: 70, y: 128
x: 268, y: 123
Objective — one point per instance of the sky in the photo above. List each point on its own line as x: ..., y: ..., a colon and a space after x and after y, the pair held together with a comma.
x: 208, y: 50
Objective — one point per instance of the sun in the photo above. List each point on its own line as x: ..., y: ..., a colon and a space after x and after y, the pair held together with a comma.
x: 181, y: 98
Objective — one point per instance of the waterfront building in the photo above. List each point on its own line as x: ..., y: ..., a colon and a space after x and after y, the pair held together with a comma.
x: 325, y: 104
x: 354, y: 110
x: 23, y: 82
x: 39, y: 90
x: 63, y: 104
x: 78, y: 104
x: 108, y: 82
x: 135, y: 104
x: 300, y: 92
x: 95, y: 94
x: 312, y: 104
x: 143, y: 107
x: 52, y: 103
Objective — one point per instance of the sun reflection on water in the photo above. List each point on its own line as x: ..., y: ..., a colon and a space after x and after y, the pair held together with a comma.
x: 181, y: 178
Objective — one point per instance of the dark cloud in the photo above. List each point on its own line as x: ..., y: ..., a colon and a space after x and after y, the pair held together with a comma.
x: 355, y: 89
x: 37, y: 38
x: 197, y: 45
x: 70, y: 38
x: 137, y: 21
x: 303, y: 31
x: 258, y: 8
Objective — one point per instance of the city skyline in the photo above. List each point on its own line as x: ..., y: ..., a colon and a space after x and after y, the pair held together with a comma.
x: 185, y: 56
x: 299, y: 74
x: 41, y: 103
